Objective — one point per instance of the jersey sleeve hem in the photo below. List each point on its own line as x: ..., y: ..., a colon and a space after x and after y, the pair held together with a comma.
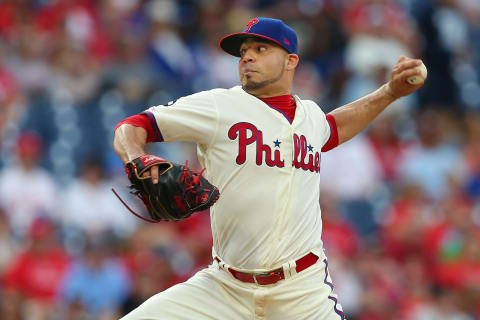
x: 154, y: 125
x: 142, y: 120
x: 332, y: 141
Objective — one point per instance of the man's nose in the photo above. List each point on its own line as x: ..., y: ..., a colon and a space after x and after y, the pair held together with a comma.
x: 248, y: 56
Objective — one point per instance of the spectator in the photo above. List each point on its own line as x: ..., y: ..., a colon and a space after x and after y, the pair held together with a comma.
x: 89, y: 205
x: 418, y: 296
x: 30, y: 65
x: 444, y: 306
x: 171, y: 55
x: 383, y: 278
x: 130, y: 71
x: 405, y: 222
x: 450, y: 247
x: 27, y: 191
x: 357, y: 185
x: 339, y: 236
x: 432, y: 163
x: 379, y: 26
x: 35, y: 274
x: 97, y: 283
x: 153, y: 273
x: 76, y: 77
x: 387, y: 146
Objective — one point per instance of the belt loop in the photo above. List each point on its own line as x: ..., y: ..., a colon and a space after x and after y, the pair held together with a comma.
x: 286, y: 270
x: 293, y: 268
x: 221, y: 264
x: 289, y: 269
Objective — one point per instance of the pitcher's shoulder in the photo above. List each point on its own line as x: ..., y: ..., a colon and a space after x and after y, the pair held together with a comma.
x: 310, y: 104
x: 214, y: 94
x: 226, y: 91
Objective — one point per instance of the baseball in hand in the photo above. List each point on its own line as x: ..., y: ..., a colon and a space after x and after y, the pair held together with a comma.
x: 415, y: 80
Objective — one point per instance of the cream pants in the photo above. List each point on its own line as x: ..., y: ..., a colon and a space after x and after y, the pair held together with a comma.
x: 213, y: 293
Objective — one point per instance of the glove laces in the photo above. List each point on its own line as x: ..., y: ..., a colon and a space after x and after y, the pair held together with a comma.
x: 131, y: 211
x: 195, y: 179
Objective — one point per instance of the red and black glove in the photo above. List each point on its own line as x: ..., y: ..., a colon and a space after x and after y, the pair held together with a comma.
x: 178, y: 193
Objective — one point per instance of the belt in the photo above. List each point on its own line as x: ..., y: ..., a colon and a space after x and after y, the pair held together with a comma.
x: 273, y: 276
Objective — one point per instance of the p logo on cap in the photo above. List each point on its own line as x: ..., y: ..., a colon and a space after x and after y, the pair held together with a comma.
x: 264, y: 28
x: 250, y: 24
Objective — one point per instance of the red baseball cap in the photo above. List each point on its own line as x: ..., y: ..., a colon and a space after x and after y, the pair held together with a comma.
x: 29, y: 144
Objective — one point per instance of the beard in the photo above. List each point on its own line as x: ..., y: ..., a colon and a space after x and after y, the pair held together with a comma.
x: 251, y: 85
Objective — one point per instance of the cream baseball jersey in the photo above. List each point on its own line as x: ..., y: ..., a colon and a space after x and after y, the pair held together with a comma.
x: 243, y: 141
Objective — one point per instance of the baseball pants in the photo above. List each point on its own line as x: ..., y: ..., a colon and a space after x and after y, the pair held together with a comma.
x: 213, y: 293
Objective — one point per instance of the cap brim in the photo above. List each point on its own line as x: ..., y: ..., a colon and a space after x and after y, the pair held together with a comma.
x: 232, y: 42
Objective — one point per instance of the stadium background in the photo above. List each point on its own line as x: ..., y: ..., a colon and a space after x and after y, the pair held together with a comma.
x: 401, y: 202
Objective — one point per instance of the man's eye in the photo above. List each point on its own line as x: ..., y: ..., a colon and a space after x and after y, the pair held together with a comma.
x: 262, y: 48
x: 242, y: 52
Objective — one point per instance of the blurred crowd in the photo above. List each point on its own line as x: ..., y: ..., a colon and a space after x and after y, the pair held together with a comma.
x: 400, y: 202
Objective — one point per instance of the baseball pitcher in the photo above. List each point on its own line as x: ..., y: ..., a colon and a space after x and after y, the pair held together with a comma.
x: 260, y: 146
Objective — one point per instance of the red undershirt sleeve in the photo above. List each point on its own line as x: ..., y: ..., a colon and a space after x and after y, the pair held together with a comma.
x: 141, y: 120
x: 333, y: 140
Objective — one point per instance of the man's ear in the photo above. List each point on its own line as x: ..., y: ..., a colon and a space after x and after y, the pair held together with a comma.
x: 291, y: 61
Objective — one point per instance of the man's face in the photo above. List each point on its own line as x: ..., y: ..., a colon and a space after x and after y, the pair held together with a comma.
x: 261, y: 64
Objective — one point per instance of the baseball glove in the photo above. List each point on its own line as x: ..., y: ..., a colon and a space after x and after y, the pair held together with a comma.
x: 178, y: 193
